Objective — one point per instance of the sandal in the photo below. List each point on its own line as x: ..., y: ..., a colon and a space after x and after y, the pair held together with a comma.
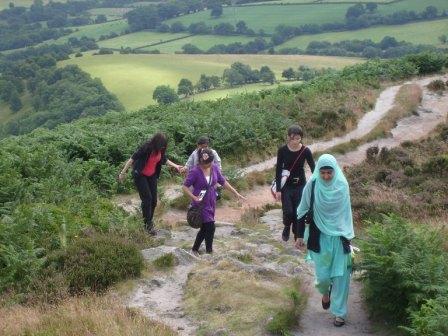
x: 338, y: 322
x: 326, y: 305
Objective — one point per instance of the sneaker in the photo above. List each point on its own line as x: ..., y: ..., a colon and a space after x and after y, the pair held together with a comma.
x: 285, y: 233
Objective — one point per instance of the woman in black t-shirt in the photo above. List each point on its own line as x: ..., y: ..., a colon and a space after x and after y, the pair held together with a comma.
x: 291, y: 157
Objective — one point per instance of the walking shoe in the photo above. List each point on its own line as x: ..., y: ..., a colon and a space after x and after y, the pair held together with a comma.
x: 285, y: 233
x: 195, y: 253
x: 338, y: 322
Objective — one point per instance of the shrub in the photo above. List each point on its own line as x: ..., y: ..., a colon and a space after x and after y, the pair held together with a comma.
x: 167, y: 260
x: 98, y: 262
x: 283, y: 321
x: 436, y: 85
x: 437, y: 165
x: 431, y: 319
x: 403, y: 267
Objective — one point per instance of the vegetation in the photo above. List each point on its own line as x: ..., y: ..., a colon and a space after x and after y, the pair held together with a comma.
x: 167, y: 260
x: 133, y: 78
x: 138, y: 39
x: 102, y: 316
x: 52, y: 193
x: 416, y: 33
x: 164, y: 94
x: 405, y: 284
x: 241, y: 307
x: 97, y: 263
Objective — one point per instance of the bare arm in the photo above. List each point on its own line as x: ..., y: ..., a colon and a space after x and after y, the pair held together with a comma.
x: 172, y: 164
x: 228, y: 186
x: 123, y: 172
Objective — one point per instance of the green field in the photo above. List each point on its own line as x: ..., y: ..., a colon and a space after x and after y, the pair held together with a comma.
x: 21, y: 3
x: 418, y: 33
x: 203, y: 42
x: 138, y: 39
x: 133, y: 78
x: 311, y: 1
x: 111, y: 13
x: 269, y: 16
x: 224, y: 93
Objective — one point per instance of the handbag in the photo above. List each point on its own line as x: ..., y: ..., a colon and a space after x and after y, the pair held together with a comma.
x: 194, y: 212
x: 285, y: 174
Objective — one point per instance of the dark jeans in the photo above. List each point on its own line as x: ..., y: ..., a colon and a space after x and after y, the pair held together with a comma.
x: 207, y: 232
x: 147, y: 189
x: 291, y: 196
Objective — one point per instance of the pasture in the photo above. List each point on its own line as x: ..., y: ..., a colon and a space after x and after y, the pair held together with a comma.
x: 203, y: 42
x: 417, y: 33
x: 267, y: 17
x: 133, y: 78
x: 139, y: 39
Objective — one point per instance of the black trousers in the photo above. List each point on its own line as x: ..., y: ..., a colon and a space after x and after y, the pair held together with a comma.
x: 207, y: 232
x: 147, y: 189
x: 291, y: 196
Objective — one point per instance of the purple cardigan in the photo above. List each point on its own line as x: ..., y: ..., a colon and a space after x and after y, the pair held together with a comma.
x: 196, y: 178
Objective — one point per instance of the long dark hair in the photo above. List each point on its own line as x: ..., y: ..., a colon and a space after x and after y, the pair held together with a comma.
x: 157, y: 143
x: 205, y: 155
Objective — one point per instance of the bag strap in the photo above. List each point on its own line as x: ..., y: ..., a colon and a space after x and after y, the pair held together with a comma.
x: 297, y: 159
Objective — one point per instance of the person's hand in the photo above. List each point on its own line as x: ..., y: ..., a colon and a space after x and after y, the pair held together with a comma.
x: 121, y: 177
x: 241, y: 197
x: 278, y: 196
x: 183, y: 169
x: 299, y: 244
x: 195, y: 198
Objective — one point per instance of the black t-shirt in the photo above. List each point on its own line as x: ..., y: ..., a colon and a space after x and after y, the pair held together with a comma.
x: 286, y: 158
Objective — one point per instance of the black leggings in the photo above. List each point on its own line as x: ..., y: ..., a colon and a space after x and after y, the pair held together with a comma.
x: 291, y: 196
x: 147, y: 189
x: 206, y: 232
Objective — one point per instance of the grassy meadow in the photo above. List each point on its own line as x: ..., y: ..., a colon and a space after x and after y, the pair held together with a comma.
x: 111, y: 13
x: 140, y: 39
x: 133, y: 78
x: 418, y: 33
x: 203, y: 42
x: 269, y: 16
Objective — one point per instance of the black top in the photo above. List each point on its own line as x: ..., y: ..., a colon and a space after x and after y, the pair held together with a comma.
x: 141, y: 156
x: 286, y: 158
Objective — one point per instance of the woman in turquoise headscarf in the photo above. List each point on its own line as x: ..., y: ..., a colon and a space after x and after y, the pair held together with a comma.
x: 328, y: 234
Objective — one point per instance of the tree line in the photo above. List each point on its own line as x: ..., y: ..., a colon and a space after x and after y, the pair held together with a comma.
x: 388, y: 47
x: 57, y: 95
x: 237, y: 74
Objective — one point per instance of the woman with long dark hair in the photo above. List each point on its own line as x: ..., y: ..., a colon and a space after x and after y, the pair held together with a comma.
x: 146, y: 165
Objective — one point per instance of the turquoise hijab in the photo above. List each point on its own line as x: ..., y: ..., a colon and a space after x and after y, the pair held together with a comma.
x: 332, y: 208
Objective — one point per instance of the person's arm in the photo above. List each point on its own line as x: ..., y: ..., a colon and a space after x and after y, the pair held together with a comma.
x: 188, y: 192
x: 190, y: 162
x: 217, y: 159
x: 189, y: 181
x: 278, y: 174
x: 302, y: 210
x: 228, y: 186
x: 310, y: 159
x: 173, y: 165
x: 122, y: 175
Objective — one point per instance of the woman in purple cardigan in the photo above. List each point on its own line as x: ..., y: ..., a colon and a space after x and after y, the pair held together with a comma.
x: 199, y: 178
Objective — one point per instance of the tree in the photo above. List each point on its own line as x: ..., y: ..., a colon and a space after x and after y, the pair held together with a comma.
x: 185, y: 87
x: 289, y: 73
x: 371, y: 6
x: 164, y: 95
x: 191, y: 49
x: 267, y: 75
x: 443, y: 39
x: 101, y: 18
x: 15, y: 102
x: 388, y: 42
x: 241, y: 27
x: 430, y: 12
x: 354, y: 11
x: 177, y: 27
x: 233, y: 77
x: 224, y: 28
x: 216, y: 11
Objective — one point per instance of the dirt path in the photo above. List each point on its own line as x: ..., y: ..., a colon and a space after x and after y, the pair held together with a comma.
x: 162, y: 299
